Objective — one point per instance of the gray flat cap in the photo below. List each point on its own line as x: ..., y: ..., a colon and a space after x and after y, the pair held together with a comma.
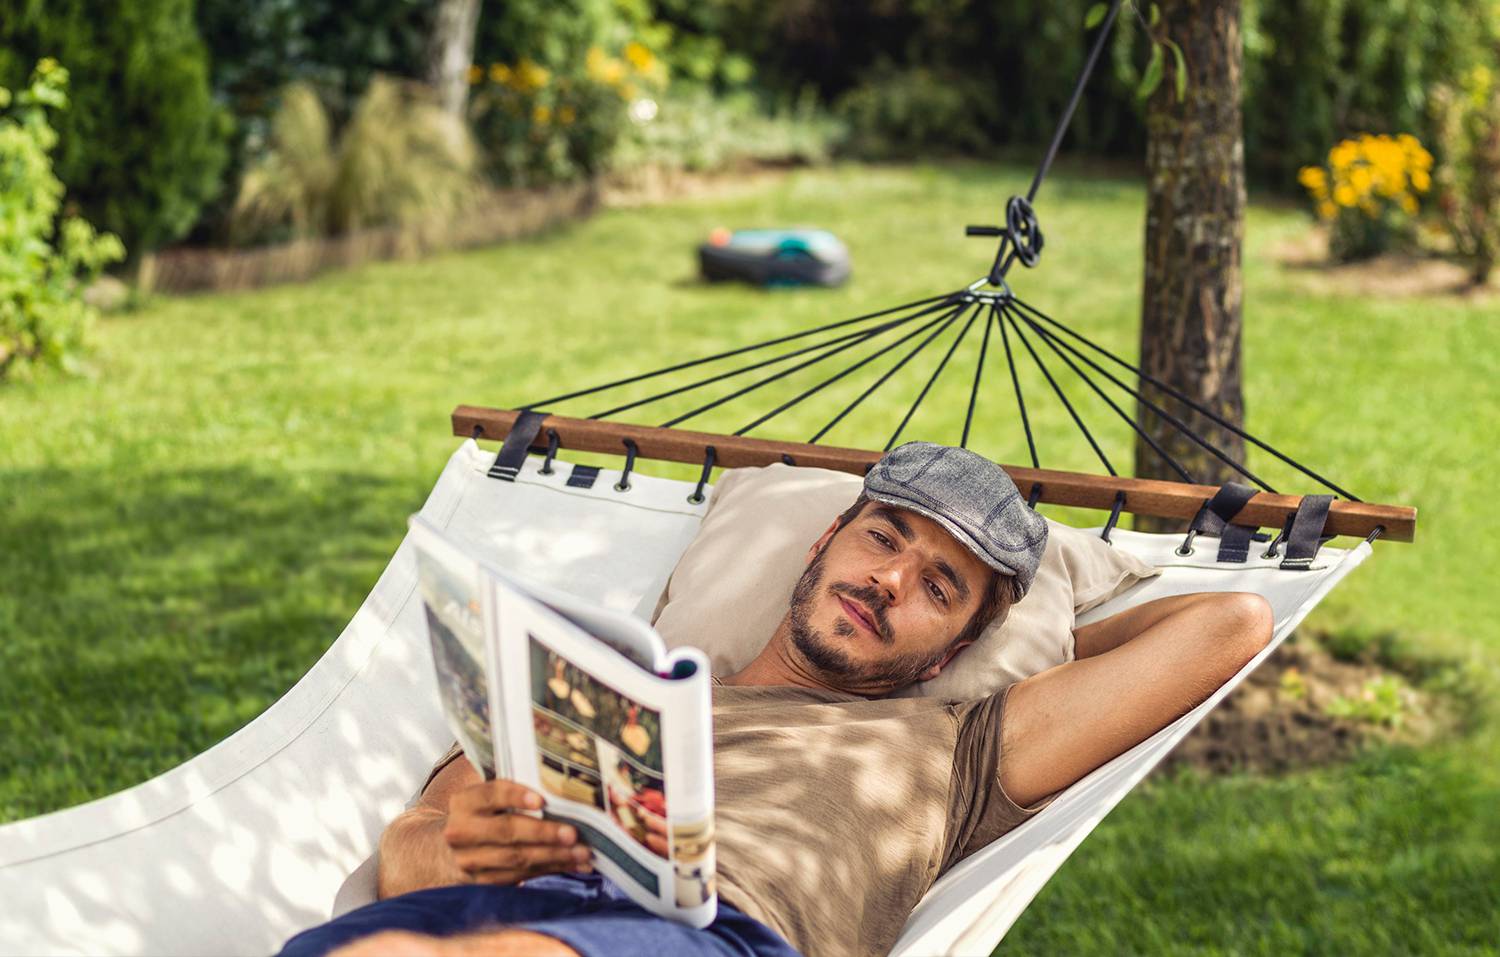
x: 968, y: 495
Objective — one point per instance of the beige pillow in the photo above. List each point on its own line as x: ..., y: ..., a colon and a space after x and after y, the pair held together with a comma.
x: 732, y: 586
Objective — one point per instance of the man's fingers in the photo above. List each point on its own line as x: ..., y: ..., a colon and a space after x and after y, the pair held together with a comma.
x: 463, y: 829
x: 518, y: 857
x: 494, y: 797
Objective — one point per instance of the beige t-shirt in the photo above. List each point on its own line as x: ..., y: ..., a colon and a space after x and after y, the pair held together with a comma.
x: 834, y: 813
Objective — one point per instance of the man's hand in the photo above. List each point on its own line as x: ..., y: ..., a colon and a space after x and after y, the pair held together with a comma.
x: 467, y: 830
x: 493, y: 844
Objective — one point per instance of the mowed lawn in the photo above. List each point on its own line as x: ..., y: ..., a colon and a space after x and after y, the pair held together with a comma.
x: 183, y: 534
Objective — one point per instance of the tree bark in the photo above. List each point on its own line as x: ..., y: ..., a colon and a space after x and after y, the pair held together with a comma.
x: 1195, y: 226
x: 450, y: 52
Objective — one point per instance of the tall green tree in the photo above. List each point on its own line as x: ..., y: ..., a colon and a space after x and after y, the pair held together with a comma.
x: 143, y: 147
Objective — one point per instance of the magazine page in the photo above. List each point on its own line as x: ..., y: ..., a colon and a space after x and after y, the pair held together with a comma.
x: 622, y: 753
x: 457, y: 603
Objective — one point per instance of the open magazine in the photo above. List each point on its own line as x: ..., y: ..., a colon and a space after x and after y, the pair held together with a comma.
x: 586, y: 706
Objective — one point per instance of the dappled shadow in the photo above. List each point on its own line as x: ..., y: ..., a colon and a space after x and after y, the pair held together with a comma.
x: 148, y: 616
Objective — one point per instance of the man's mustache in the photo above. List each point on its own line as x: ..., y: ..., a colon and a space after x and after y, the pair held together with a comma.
x: 873, y: 601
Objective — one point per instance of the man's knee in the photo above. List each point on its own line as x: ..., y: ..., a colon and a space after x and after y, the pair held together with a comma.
x: 503, y: 942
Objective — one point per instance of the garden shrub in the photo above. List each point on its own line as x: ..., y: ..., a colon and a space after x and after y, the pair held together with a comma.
x: 696, y: 129
x: 1320, y: 69
x: 44, y: 264
x: 541, y: 125
x: 1367, y: 193
x: 898, y: 113
x: 143, y: 147
x: 400, y: 160
x: 1468, y: 129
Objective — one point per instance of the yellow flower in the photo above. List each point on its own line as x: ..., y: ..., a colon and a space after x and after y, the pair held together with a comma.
x: 603, y: 68
x: 500, y: 73
x: 566, y: 115
x: 1408, y: 204
x: 1344, y: 195
x: 1326, y: 210
x: 530, y: 75
x: 639, y: 57
x: 1343, y: 155
x: 1313, y: 177
x: 1361, y: 178
x: 541, y: 114
x: 1421, y: 180
x: 476, y: 73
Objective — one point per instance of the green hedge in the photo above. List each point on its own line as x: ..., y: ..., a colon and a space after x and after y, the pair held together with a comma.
x: 1315, y: 70
x: 143, y: 147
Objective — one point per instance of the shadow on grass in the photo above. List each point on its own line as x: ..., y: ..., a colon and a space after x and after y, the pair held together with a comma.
x: 148, y: 615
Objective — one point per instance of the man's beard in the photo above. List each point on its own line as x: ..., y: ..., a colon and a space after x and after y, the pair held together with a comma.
x: 831, y: 660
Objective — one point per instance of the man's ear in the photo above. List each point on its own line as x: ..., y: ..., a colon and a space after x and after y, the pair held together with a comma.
x: 822, y: 542
x: 932, y: 672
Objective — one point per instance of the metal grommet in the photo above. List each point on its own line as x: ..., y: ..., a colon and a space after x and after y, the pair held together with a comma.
x: 477, y: 432
x: 1273, y: 548
x: 710, y: 454
x: 1186, y: 548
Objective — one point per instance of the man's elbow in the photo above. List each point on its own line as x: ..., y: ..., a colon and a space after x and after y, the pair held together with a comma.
x: 1248, y: 623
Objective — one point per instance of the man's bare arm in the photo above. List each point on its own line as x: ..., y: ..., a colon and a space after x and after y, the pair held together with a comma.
x: 1100, y: 636
x: 465, y: 831
x: 1133, y: 673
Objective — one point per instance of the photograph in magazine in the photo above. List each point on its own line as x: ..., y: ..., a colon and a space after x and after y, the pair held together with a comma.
x: 600, y: 748
x: 455, y: 626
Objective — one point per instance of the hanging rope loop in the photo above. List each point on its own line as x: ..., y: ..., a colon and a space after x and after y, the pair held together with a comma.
x: 1021, y: 238
x: 1023, y: 231
x: 623, y: 485
x: 1114, y: 517
x: 709, y: 454
x: 552, y: 444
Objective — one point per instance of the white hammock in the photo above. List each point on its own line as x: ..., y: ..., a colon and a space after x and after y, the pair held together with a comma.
x: 248, y: 843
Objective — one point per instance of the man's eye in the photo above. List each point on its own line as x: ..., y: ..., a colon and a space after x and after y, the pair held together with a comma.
x: 881, y: 539
x: 937, y: 593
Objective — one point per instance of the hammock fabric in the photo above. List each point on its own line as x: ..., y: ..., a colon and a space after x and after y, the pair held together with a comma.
x: 255, y: 839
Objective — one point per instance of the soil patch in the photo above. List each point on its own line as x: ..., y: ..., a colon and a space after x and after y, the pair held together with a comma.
x: 1395, y: 274
x: 1289, y: 714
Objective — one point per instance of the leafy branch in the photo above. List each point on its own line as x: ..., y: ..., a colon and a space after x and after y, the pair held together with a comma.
x: 1161, y: 45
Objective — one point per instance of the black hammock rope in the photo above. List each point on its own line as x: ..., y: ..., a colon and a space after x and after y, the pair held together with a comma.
x: 909, y: 329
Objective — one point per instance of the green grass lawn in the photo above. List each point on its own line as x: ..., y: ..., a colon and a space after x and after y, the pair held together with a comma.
x: 182, y: 535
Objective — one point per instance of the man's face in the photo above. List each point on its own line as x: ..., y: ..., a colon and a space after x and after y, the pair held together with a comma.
x: 883, y: 599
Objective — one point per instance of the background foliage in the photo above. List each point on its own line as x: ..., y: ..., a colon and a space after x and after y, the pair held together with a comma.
x: 144, y: 146
x: 44, y: 262
x: 905, y: 78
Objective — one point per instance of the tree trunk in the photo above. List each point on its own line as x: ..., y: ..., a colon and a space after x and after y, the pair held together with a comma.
x: 450, y: 52
x: 1195, y: 225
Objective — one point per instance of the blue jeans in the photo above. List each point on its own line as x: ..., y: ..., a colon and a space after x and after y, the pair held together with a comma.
x: 585, y: 911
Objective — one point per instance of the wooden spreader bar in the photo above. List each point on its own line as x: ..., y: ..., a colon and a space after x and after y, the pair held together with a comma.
x: 1142, y: 496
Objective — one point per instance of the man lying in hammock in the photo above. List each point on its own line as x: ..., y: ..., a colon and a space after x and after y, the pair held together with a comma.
x: 836, y: 807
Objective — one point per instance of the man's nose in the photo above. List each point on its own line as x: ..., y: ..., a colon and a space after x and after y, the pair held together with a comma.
x: 891, y: 577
